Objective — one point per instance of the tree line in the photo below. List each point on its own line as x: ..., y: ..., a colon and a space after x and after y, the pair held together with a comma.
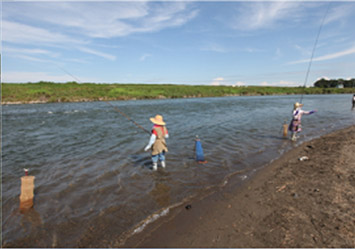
x: 339, y: 83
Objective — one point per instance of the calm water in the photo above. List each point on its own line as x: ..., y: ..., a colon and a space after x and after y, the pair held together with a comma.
x: 93, y: 179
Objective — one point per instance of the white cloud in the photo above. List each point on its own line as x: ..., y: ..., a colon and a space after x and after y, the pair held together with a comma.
x: 162, y: 16
x: 266, y: 14
x: 280, y: 83
x: 336, y: 55
x: 328, y: 56
x: 14, y: 32
x: 20, y: 33
x: 85, y: 17
x: 287, y: 83
x: 31, y: 58
x: 259, y: 15
x: 77, y: 23
x: 239, y: 83
x: 28, y: 53
x: 213, y: 47
x: 278, y: 53
x: 339, y: 13
x: 101, y: 19
x: 252, y: 50
x: 144, y: 57
x: 217, y: 81
x: 97, y: 53
x: 302, y: 50
x: 324, y: 77
x: 25, y: 51
x: 24, y: 77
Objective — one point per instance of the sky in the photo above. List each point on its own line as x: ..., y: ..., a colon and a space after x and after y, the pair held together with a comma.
x: 238, y: 43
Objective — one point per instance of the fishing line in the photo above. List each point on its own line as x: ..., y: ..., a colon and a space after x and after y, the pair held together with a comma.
x: 116, y: 109
x: 127, y: 117
x: 314, y: 48
x: 65, y: 71
x: 285, y: 126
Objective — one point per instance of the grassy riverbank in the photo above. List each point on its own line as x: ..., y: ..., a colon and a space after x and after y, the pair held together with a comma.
x: 44, y: 92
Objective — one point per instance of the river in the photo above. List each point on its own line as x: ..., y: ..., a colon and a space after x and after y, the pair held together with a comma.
x: 94, y: 181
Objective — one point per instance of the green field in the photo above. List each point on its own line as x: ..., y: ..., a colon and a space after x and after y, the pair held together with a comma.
x: 74, y: 92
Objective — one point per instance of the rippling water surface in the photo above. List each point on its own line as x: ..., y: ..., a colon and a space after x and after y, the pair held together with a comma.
x: 93, y: 179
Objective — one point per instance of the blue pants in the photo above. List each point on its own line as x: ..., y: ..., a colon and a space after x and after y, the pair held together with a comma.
x: 160, y: 156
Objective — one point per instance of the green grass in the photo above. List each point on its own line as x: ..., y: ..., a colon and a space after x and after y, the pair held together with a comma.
x: 73, y: 92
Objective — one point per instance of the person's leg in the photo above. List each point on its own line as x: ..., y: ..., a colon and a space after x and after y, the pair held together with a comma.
x: 294, y: 136
x: 162, y: 159
x: 155, y: 161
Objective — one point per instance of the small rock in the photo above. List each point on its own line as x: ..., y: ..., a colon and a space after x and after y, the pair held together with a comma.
x: 304, y: 158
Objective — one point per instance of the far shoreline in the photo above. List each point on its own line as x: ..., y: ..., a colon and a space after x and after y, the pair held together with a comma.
x: 155, y: 98
x: 72, y: 92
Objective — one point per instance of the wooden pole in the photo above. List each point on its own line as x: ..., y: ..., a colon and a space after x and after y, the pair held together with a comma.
x: 27, y: 191
x: 285, y: 128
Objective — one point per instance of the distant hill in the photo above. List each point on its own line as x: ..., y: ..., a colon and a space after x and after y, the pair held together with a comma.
x: 339, y: 83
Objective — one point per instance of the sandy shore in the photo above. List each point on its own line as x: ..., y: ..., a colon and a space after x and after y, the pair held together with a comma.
x: 289, y: 203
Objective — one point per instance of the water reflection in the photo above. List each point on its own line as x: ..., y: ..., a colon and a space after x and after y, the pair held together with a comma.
x: 30, y: 219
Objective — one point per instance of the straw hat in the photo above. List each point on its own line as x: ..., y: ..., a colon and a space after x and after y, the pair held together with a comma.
x: 158, y: 119
x: 296, y: 105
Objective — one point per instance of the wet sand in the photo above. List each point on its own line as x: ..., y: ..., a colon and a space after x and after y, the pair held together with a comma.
x: 288, y: 203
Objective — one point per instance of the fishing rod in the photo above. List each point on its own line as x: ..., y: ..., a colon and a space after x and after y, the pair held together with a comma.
x: 314, y: 48
x: 127, y: 117
x: 284, y: 127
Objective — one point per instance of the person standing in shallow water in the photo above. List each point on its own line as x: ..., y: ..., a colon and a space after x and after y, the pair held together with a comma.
x: 353, y: 102
x: 157, y: 141
x: 295, y: 125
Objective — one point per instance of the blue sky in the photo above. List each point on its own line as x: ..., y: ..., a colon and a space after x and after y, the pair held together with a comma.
x: 191, y: 42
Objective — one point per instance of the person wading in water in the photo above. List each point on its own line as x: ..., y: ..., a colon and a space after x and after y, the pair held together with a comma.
x: 295, y: 125
x: 157, y: 141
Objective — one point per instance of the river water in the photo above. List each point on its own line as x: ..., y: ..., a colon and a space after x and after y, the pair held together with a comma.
x: 93, y: 180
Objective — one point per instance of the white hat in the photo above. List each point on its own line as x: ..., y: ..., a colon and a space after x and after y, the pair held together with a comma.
x: 296, y: 105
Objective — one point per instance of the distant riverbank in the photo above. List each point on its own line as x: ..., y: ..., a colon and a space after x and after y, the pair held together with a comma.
x: 48, y: 92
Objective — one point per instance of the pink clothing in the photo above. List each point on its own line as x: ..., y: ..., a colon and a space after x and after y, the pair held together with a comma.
x: 295, y: 125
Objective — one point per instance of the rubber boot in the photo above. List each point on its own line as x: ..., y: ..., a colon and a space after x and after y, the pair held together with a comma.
x: 155, y: 166
x: 163, y: 164
x: 294, y: 137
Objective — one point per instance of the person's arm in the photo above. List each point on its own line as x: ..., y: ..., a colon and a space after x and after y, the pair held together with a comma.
x: 310, y: 112
x: 151, y: 142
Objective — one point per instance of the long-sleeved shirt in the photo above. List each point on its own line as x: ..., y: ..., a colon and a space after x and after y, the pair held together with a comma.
x: 295, y: 125
x: 153, y: 137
